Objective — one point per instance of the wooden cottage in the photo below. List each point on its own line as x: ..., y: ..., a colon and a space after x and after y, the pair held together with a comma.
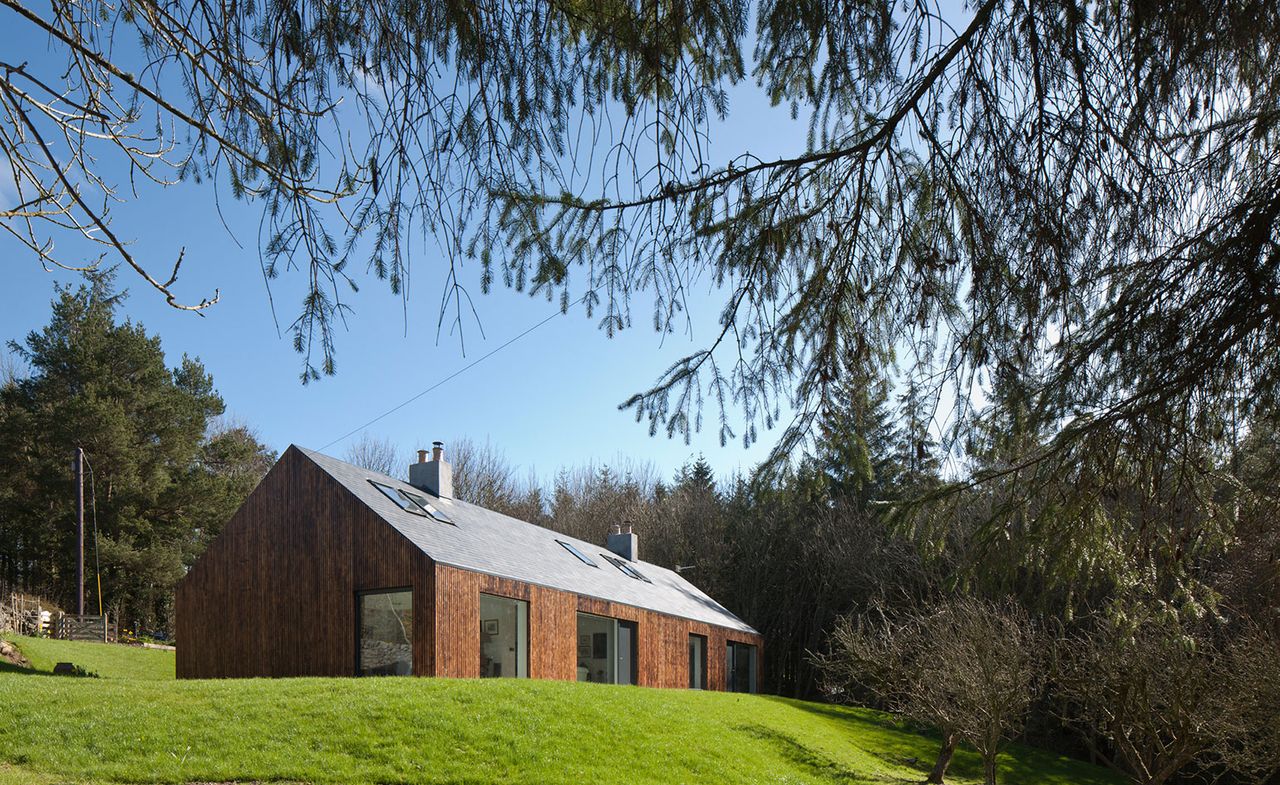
x: 333, y: 570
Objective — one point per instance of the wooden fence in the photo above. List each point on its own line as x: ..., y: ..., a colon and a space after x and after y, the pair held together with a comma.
x: 69, y: 627
x: 26, y: 615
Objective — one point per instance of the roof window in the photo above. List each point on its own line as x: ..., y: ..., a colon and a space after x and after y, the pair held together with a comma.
x: 581, y: 556
x: 412, y: 502
x: 626, y: 569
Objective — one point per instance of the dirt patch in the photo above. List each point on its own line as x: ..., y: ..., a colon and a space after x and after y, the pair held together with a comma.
x: 10, y: 654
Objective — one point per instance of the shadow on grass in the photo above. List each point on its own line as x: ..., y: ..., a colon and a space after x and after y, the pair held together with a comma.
x: 902, y: 745
x: 892, y: 742
x: 18, y: 670
x: 813, y: 762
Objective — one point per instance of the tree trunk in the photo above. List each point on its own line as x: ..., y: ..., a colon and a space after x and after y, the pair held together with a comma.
x: 989, y: 770
x: 945, y: 755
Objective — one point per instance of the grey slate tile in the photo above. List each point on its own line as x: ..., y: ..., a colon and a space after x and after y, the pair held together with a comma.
x: 489, y: 542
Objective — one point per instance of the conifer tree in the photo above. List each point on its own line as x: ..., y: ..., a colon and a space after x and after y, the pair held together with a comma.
x: 159, y: 482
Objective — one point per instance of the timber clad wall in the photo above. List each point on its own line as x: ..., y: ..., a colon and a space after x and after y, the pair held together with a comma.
x: 662, y: 641
x: 553, y: 624
x: 275, y: 595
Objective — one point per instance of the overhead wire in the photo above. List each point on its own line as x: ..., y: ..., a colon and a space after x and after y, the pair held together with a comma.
x: 93, y: 506
x: 453, y: 375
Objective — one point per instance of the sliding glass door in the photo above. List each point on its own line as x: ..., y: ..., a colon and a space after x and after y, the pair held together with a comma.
x: 606, y: 650
x: 504, y: 637
x: 740, y: 667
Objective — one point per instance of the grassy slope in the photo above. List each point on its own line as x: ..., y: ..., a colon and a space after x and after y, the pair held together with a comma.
x: 106, y: 660
x: 122, y: 728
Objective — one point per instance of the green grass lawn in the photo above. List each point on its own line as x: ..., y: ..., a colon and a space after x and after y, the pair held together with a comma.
x: 107, y: 660
x: 131, y: 726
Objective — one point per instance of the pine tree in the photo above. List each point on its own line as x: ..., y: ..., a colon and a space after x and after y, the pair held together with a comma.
x: 158, y: 483
x: 856, y: 445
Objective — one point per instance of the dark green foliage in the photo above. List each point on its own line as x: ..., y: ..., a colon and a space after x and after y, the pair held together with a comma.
x: 1060, y: 218
x: 789, y: 551
x: 161, y: 474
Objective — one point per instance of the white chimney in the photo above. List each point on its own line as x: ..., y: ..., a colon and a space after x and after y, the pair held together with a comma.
x: 434, y: 476
x: 624, y: 542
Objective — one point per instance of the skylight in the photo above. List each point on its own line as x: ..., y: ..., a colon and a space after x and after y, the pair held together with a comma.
x: 412, y: 502
x: 401, y: 498
x: 581, y: 556
x: 626, y: 569
x: 432, y: 510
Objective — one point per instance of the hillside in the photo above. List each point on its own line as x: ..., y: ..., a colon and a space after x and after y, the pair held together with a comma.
x: 106, y: 660
x: 129, y: 726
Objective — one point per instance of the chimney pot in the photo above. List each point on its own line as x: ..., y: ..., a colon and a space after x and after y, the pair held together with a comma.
x: 434, y: 476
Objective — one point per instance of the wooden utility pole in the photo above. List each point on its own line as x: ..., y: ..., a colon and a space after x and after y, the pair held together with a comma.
x: 78, y: 468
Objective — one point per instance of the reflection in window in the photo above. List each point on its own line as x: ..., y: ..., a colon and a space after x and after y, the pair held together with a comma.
x: 385, y: 647
x: 740, y: 667
x: 607, y: 650
x: 504, y: 637
x: 597, y: 644
x: 627, y: 569
x: 697, y: 662
x: 412, y: 502
x: 582, y: 557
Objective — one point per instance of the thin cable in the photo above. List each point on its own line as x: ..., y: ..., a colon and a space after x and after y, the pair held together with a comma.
x: 93, y: 505
x: 451, y: 376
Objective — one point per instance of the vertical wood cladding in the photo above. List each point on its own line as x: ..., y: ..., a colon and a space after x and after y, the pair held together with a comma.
x: 275, y: 595
x: 662, y: 651
x: 553, y: 624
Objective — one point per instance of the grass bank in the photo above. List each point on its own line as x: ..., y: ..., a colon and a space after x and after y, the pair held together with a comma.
x: 136, y: 728
x: 109, y: 661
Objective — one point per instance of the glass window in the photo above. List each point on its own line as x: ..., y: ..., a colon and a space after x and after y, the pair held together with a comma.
x: 606, y: 650
x: 401, y: 498
x: 697, y: 662
x: 597, y: 647
x: 581, y: 556
x: 385, y: 647
x: 740, y: 667
x: 628, y: 672
x: 627, y: 569
x: 412, y: 502
x: 504, y: 637
x: 431, y: 509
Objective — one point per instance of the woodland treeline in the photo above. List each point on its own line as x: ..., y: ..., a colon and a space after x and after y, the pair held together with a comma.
x: 164, y: 468
x: 1126, y: 610
x: 1149, y: 640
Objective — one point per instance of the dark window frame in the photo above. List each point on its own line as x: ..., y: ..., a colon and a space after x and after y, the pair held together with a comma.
x: 582, y: 557
x: 625, y: 569
x: 705, y: 647
x: 528, y: 625
x: 753, y: 663
x: 637, y: 652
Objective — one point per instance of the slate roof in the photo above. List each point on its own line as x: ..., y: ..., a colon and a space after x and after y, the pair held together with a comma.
x: 495, y: 544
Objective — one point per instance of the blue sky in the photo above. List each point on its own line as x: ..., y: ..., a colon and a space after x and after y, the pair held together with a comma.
x: 547, y: 401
